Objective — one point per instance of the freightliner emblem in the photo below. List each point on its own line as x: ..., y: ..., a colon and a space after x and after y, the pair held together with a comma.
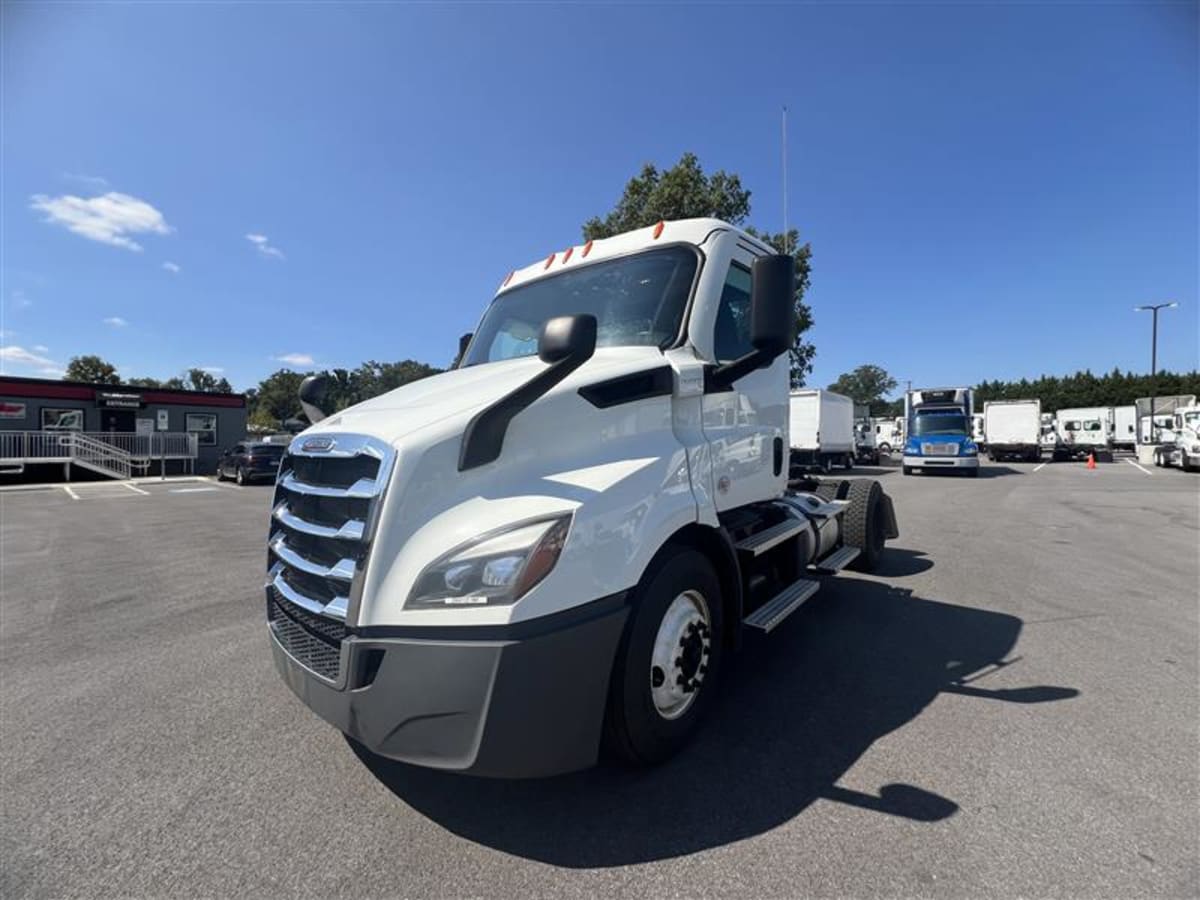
x: 318, y: 445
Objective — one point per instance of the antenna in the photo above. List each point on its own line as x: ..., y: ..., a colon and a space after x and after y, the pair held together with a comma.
x: 784, y: 248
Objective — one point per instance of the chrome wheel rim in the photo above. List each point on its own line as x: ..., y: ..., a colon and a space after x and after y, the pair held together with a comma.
x: 679, y: 661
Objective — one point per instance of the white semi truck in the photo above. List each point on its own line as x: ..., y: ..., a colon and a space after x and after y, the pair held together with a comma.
x: 1014, y: 429
x: 556, y: 544
x: 889, y: 434
x: 821, y: 430
x: 1083, y: 432
x: 1181, y: 445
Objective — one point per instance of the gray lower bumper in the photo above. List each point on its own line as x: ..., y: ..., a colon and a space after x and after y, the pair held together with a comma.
x: 515, y: 701
x: 942, y: 462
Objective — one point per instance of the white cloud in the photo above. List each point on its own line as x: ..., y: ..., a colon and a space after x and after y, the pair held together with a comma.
x: 96, y: 182
x: 264, y: 246
x: 40, y: 348
x: 295, y: 359
x: 110, y: 218
x: 12, y: 355
x: 115, y: 322
x: 171, y: 267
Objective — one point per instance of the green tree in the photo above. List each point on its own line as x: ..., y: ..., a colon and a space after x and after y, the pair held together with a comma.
x: 92, y: 369
x: 175, y: 384
x: 867, y: 385
x: 685, y: 191
x: 144, y: 382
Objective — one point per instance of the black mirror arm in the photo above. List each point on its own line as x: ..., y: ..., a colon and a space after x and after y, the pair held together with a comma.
x: 724, y: 375
x: 483, y: 438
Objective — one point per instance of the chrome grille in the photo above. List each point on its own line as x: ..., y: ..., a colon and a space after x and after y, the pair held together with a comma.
x: 315, y: 644
x: 327, y: 501
x: 939, y: 449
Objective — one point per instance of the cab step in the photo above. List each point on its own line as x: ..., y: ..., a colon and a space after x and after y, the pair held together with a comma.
x: 760, y: 543
x: 782, y: 605
x: 836, y: 561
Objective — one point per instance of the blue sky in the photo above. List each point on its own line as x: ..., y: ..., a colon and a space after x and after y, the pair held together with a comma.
x: 989, y: 189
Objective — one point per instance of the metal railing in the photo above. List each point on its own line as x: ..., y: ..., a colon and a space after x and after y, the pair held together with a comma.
x: 55, y: 446
x: 100, y: 456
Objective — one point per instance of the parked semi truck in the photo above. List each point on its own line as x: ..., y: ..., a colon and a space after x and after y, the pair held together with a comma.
x: 889, y: 434
x: 1164, y: 415
x: 866, y: 450
x: 1181, y: 446
x: 1084, y: 432
x: 939, y: 428
x: 821, y: 430
x: 556, y: 544
x: 1014, y: 429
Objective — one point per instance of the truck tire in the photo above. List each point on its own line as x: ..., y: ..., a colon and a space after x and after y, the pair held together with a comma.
x: 848, y: 461
x: 973, y: 473
x: 885, y: 449
x: 862, y: 524
x: 668, y: 660
x: 837, y: 489
x: 907, y: 470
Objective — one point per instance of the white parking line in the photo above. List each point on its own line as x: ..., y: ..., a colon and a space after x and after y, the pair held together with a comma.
x: 136, y: 490
x: 70, y: 493
x: 1040, y: 466
x: 195, y: 490
x: 1139, y: 468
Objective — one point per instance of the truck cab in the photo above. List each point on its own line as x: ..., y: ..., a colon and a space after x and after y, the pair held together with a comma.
x: 552, y: 547
x: 940, y: 425
x: 1181, y: 442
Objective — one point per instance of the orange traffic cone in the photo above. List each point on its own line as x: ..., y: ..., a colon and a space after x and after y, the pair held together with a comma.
x: 1091, y: 460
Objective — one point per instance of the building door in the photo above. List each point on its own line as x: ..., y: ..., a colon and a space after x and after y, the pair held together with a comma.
x: 121, y: 420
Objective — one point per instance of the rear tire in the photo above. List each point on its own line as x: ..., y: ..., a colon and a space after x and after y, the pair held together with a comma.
x: 907, y: 470
x: 848, y: 462
x: 674, y: 631
x: 863, y: 524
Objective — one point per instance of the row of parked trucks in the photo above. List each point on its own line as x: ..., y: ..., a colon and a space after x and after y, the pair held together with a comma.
x: 940, y: 429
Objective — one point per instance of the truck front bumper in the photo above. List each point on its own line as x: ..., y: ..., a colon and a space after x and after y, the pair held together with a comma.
x: 941, y: 462
x: 514, y: 701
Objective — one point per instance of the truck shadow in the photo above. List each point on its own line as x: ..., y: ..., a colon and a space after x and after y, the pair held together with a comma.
x: 793, y: 715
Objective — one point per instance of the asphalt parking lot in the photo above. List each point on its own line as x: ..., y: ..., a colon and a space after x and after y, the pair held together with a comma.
x: 1010, y: 708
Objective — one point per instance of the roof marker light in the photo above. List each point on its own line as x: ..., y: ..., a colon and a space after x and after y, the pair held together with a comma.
x: 587, y: 248
x: 567, y: 255
x: 549, y: 259
x: 658, y: 229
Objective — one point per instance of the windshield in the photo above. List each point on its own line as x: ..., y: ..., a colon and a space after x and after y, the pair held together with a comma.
x: 637, y: 301
x: 941, y: 423
x: 1192, y: 420
x: 273, y: 450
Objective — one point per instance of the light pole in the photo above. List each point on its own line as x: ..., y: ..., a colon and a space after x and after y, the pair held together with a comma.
x: 1154, y: 308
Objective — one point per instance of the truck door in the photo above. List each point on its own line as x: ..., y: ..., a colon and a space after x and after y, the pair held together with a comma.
x: 745, y: 425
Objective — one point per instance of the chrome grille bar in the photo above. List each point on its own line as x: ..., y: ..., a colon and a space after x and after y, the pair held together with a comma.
x: 335, y: 608
x: 352, y: 530
x: 363, y: 489
x: 342, y: 570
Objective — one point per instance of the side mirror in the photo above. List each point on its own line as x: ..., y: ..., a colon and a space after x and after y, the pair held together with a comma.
x: 312, y: 394
x: 772, y: 298
x: 568, y: 337
x: 463, y: 343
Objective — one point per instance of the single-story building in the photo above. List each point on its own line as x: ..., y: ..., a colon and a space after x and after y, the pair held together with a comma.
x: 107, y: 410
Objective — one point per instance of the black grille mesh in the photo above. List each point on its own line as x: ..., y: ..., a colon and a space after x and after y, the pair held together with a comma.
x: 313, y: 641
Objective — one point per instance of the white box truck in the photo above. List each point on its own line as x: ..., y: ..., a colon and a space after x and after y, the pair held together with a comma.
x: 1083, y: 432
x: 1014, y: 429
x: 555, y: 545
x: 1125, y: 427
x: 821, y: 430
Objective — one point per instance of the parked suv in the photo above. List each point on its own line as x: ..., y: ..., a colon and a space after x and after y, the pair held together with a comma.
x: 250, y: 461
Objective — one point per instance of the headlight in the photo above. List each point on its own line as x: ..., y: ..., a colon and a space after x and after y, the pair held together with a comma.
x: 969, y: 449
x: 497, y: 569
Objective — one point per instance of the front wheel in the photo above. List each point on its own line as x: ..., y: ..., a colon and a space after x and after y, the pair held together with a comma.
x: 907, y: 470
x: 241, y: 476
x: 973, y: 473
x: 669, y: 659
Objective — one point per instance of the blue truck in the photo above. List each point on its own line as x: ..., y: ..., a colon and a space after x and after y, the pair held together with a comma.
x: 939, y: 431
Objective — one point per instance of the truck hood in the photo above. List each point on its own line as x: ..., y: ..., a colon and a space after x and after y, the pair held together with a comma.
x: 460, y: 393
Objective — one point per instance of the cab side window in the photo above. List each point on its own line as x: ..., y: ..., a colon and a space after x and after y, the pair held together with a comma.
x: 731, y: 337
